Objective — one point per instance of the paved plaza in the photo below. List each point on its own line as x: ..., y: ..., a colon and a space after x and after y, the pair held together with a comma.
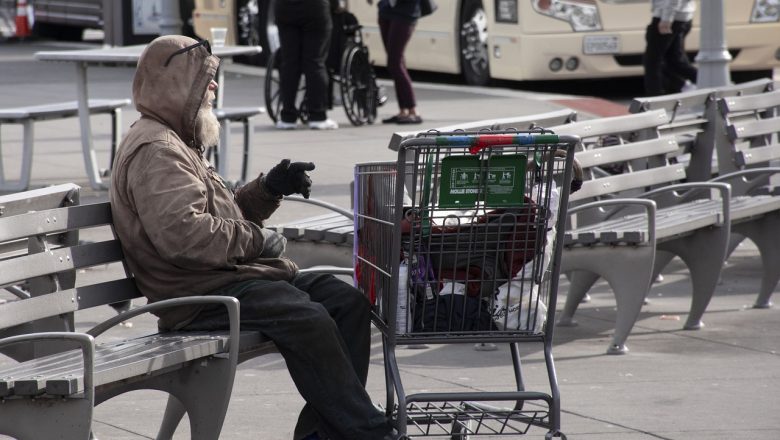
x: 720, y: 382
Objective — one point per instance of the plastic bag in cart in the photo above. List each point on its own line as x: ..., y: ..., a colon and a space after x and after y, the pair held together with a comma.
x: 518, y: 307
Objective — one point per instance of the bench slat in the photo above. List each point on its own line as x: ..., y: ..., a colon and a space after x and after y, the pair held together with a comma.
x: 617, y: 124
x: 757, y: 155
x: 66, y: 301
x: 59, y: 260
x: 744, y: 103
x: 624, y: 182
x: 61, y: 374
x: 54, y: 221
x: 37, y: 199
x: 122, y: 361
x: 758, y: 127
x: 60, y: 110
x: 623, y: 153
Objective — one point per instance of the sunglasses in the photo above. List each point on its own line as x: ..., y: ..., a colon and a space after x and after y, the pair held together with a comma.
x: 204, y: 43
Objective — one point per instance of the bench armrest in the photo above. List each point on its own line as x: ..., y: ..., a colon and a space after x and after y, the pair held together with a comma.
x: 649, y: 206
x: 84, y: 340
x: 345, y: 212
x: 333, y: 270
x: 752, y: 172
x: 229, y: 302
x: 723, y: 188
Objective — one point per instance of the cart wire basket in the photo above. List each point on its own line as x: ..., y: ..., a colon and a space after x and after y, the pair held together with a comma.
x: 459, y: 241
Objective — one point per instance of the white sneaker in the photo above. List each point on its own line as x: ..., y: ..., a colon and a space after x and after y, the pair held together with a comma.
x: 327, y: 124
x: 281, y: 125
x: 688, y: 86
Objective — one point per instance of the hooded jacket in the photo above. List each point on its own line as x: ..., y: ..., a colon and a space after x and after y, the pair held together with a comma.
x: 182, y: 231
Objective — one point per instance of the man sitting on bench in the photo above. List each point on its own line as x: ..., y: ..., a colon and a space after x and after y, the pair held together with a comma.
x: 185, y: 233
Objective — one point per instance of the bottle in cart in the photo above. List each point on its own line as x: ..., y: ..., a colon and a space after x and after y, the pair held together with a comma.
x: 403, y: 314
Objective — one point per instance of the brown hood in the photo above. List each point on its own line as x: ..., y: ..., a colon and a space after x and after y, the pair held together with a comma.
x: 161, y: 92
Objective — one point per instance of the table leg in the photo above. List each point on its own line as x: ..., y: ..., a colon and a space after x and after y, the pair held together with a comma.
x: 90, y: 160
x: 224, y: 140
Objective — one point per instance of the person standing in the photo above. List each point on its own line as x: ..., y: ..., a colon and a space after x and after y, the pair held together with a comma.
x: 667, y: 68
x: 304, y: 34
x: 397, y: 20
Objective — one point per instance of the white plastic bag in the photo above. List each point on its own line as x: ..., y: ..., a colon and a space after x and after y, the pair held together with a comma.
x: 518, y: 307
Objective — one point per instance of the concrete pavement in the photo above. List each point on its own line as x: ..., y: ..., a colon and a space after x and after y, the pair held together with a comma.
x: 720, y: 382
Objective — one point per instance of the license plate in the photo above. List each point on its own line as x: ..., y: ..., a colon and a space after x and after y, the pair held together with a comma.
x: 600, y: 44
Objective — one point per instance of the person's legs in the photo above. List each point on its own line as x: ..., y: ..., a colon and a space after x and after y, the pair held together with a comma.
x: 316, y: 34
x: 349, y: 309
x: 676, y: 59
x: 290, y: 68
x: 324, y: 338
x: 395, y: 36
x: 656, y: 47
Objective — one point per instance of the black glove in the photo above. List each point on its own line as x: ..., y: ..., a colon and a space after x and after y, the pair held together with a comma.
x: 289, y: 178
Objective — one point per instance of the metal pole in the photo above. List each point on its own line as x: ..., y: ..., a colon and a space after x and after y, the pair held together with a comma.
x: 713, y: 57
x: 170, y: 23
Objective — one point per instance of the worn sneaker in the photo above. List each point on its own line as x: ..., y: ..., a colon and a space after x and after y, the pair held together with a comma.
x: 281, y: 125
x: 327, y: 124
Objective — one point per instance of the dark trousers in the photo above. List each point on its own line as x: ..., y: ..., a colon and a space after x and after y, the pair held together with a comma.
x: 395, y: 36
x: 321, y: 327
x: 304, y: 35
x: 665, y: 62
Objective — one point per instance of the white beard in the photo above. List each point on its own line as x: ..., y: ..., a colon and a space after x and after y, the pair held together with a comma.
x: 207, y: 127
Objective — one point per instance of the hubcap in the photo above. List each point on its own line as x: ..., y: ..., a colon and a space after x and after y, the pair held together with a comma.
x: 474, y: 41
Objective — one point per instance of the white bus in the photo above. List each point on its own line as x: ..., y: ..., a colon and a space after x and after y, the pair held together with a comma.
x: 536, y: 39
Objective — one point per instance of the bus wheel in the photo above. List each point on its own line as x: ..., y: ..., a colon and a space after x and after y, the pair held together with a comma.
x: 474, y: 60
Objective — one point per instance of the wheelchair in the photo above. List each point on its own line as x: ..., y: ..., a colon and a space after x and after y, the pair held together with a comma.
x: 349, y: 68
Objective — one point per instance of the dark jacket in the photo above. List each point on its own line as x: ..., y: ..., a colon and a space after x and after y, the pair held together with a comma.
x: 182, y: 231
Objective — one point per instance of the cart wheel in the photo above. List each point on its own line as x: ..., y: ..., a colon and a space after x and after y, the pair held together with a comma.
x: 460, y: 432
x: 358, y: 86
x: 273, y: 99
x: 555, y: 434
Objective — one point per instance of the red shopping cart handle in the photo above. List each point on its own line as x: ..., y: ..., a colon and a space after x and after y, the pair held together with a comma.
x: 479, y: 142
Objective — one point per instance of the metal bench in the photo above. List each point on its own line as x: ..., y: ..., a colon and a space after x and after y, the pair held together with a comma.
x: 695, y: 122
x: 749, y: 148
x: 51, y: 392
x: 27, y: 116
x: 618, y: 227
x: 322, y: 240
x: 688, y: 223
x: 726, y: 139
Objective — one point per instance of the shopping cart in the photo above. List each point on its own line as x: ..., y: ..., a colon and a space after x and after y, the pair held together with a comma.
x: 459, y: 241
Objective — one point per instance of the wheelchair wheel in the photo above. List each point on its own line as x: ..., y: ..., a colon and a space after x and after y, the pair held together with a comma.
x: 358, y: 86
x: 273, y: 99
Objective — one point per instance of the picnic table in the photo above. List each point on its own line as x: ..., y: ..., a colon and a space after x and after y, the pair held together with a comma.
x: 121, y: 56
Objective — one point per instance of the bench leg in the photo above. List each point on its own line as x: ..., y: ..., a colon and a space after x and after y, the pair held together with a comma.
x: 46, y: 418
x: 764, y: 233
x: 628, y: 270
x: 703, y: 253
x: 174, y: 412
x: 580, y: 282
x: 116, y: 134
x: 221, y: 152
x: 248, y: 132
x: 203, y: 388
